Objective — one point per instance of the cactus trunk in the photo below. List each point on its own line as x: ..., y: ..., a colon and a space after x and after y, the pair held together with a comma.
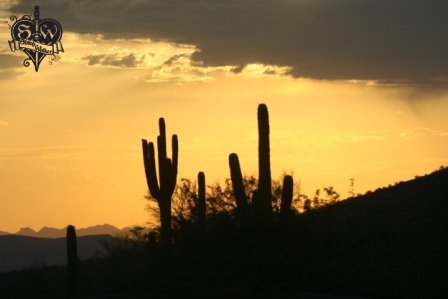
x: 201, y: 199
x: 264, y: 194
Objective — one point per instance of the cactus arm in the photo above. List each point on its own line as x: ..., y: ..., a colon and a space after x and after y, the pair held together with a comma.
x: 173, y: 164
x: 150, y: 168
x: 237, y: 181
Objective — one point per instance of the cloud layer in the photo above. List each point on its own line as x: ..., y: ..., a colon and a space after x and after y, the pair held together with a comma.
x: 7, y: 63
x: 114, y: 60
x: 402, y: 41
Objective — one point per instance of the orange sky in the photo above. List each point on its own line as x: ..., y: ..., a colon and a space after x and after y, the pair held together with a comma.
x: 70, y: 134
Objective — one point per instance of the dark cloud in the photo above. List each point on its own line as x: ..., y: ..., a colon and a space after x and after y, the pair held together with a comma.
x: 8, y: 61
x: 94, y: 59
x: 175, y: 59
x: 8, y: 66
x: 393, y: 41
x: 114, y: 60
x: 237, y: 69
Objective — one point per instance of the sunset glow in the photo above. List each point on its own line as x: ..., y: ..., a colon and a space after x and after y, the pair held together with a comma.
x: 70, y: 149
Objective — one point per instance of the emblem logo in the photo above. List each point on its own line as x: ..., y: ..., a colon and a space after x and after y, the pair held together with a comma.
x: 35, y: 37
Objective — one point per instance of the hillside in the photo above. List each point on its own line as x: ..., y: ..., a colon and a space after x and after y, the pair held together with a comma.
x: 20, y: 251
x: 390, y: 243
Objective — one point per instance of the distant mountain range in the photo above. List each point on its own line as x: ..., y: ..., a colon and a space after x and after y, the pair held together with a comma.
x: 51, y: 232
x: 18, y: 252
x: 30, y: 248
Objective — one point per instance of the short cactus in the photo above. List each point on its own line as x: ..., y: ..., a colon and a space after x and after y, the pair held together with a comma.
x: 287, y: 193
x: 201, y: 199
x: 72, y: 262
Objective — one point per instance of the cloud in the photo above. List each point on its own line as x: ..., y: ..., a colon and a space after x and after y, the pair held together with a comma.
x: 68, y: 153
x: 176, y: 59
x: 9, y: 65
x: 9, y: 74
x: 3, y: 123
x: 5, y: 5
x: 8, y: 61
x: 114, y: 60
x: 402, y: 41
x: 421, y: 132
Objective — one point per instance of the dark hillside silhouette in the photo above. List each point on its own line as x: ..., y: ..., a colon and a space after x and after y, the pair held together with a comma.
x: 389, y: 242
x: 19, y: 252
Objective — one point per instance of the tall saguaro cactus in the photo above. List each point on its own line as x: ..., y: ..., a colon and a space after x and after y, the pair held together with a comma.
x: 72, y: 262
x: 163, y: 188
x: 262, y: 198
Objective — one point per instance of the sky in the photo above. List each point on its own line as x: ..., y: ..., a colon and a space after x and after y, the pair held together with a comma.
x: 355, y: 89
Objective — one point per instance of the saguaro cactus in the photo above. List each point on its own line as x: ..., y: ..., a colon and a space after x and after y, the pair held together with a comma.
x: 287, y: 193
x: 162, y: 190
x: 72, y: 262
x: 201, y: 199
x: 262, y: 198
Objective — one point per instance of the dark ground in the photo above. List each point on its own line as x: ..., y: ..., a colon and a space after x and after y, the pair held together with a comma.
x: 390, y: 243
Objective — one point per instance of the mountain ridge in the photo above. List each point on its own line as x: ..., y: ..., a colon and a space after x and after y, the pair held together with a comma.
x: 52, y: 232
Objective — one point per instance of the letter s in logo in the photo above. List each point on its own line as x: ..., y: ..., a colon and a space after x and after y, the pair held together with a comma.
x: 24, y: 29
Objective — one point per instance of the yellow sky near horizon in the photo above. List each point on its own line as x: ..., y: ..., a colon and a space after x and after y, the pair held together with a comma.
x: 70, y: 134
